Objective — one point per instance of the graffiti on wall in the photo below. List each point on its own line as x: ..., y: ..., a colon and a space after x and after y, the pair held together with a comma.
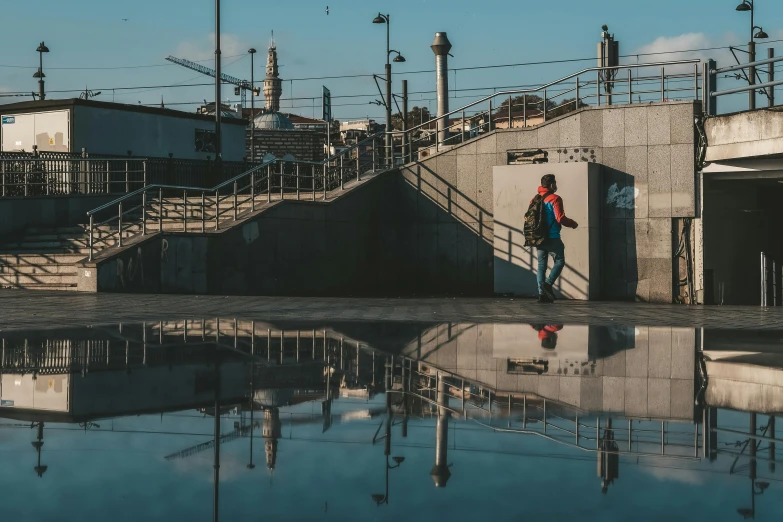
x: 624, y: 198
x: 130, y: 270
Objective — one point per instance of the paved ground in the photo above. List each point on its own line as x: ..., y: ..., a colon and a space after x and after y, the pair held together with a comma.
x: 25, y: 309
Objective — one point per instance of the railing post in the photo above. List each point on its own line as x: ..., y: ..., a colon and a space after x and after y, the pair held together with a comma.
x: 108, y: 178
x: 2, y: 172
x: 544, y: 109
x: 127, y: 178
x: 26, y: 177
x: 358, y: 163
x: 630, y: 87
x: 462, y: 130
x: 217, y: 209
x: 342, y: 173
x: 269, y: 183
x: 203, y: 212
x: 91, y: 235
x: 598, y: 86
x: 282, y: 178
x: 297, y: 182
x: 160, y: 209
x: 770, y: 76
x: 312, y: 179
x: 252, y: 192
x: 763, y: 279
x: 663, y: 85
x: 235, y: 201
x: 510, y: 121
x: 489, y: 119
x: 119, y: 227
x: 144, y: 213
x: 524, y: 110
x: 374, y: 160
x: 144, y: 172
x: 576, y: 93
x: 185, y: 210
x: 696, y: 80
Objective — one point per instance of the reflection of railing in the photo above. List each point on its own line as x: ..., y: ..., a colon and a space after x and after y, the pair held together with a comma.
x: 190, y: 208
x: 531, y: 414
x: 170, y: 342
x: 550, y: 100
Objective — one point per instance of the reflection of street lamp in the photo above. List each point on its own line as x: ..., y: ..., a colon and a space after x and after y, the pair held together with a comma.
x: 756, y: 488
x: 38, y: 444
x: 384, y: 498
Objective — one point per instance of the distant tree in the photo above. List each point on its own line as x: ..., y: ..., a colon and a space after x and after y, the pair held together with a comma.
x: 416, y: 116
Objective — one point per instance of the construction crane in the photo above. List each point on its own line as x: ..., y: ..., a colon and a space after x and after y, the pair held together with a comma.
x: 240, y: 86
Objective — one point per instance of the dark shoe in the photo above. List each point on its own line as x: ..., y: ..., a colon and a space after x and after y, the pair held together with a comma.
x: 546, y: 288
x: 543, y: 299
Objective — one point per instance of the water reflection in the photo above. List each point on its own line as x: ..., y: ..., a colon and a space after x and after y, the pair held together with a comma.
x: 484, y: 409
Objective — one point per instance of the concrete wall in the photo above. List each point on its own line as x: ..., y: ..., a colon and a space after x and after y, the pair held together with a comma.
x: 515, y: 264
x: 647, y: 374
x: 19, y: 213
x: 647, y: 153
x: 744, y: 135
x: 108, y: 131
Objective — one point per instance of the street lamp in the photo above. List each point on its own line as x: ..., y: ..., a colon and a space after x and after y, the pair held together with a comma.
x: 38, y: 444
x: 252, y: 52
x: 39, y: 73
x: 218, y: 111
x: 385, y: 19
x: 749, y: 5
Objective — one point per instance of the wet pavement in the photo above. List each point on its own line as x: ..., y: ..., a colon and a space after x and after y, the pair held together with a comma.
x: 348, y: 420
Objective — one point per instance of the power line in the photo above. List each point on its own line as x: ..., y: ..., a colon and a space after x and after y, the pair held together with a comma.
x: 110, y: 68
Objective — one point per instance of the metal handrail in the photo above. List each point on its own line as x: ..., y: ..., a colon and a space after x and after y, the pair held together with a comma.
x: 550, y: 84
x: 232, y: 207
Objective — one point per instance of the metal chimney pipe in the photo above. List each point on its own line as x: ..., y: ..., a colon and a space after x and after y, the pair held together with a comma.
x: 441, y: 47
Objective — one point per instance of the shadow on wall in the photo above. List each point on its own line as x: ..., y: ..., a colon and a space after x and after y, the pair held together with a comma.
x: 619, y: 259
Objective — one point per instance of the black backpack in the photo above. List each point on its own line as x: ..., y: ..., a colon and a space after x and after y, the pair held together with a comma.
x: 536, y: 227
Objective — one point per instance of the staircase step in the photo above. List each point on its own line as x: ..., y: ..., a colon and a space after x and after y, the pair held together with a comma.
x: 24, y: 279
x: 37, y: 269
x: 43, y: 286
x: 44, y: 258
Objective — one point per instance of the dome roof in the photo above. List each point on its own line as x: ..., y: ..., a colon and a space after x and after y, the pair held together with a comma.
x: 272, y: 121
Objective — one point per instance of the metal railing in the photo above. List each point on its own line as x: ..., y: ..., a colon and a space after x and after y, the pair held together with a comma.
x: 48, y: 174
x: 592, y: 86
x: 182, y: 208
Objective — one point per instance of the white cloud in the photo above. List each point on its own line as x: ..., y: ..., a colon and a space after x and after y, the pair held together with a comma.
x: 684, y: 476
x: 685, y: 47
x: 204, y: 49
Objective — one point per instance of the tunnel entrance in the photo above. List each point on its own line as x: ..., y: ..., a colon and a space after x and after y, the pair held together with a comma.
x: 742, y: 218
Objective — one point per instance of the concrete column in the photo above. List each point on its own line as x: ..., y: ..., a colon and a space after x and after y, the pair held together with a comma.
x: 441, y: 47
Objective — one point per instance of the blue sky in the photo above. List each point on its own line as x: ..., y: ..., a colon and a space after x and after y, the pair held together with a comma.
x: 88, y: 37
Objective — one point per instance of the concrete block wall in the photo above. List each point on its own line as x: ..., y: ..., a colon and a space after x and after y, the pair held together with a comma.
x: 648, y: 373
x: 19, y: 213
x: 648, y: 158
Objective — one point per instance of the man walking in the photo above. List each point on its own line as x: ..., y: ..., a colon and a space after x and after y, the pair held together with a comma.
x: 556, y: 219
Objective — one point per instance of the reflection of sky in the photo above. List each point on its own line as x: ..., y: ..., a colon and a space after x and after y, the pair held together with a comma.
x: 122, y: 475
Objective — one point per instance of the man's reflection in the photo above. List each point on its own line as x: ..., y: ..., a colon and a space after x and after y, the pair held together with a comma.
x: 547, y: 334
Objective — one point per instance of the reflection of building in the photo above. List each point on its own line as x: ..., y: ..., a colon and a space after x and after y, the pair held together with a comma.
x: 271, y: 431
x: 608, y: 459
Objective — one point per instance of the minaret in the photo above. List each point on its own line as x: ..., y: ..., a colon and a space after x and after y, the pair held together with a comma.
x: 273, y: 85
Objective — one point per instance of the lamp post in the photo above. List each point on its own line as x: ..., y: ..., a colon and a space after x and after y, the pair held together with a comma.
x: 218, y: 115
x: 39, y: 73
x: 252, y: 104
x: 384, y: 19
x: 748, y: 5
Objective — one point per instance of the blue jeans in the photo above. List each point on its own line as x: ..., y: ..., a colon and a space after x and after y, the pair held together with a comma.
x: 556, y: 248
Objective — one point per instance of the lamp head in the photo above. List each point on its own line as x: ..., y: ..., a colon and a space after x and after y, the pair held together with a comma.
x: 400, y: 460
x: 761, y: 34
x: 744, y: 6
x: 380, y: 19
x: 400, y: 58
x: 42, y: 48
x: 39, y: 74
x: 251, y: 51
x: 378, y: 498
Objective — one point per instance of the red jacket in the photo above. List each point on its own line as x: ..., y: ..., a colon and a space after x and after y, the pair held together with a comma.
x: 556, y: 218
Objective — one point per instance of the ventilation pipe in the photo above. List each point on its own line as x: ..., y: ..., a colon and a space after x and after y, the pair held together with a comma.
x: 441, y: 47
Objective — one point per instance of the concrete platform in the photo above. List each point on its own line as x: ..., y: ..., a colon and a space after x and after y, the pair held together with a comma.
x: 24, y: 309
